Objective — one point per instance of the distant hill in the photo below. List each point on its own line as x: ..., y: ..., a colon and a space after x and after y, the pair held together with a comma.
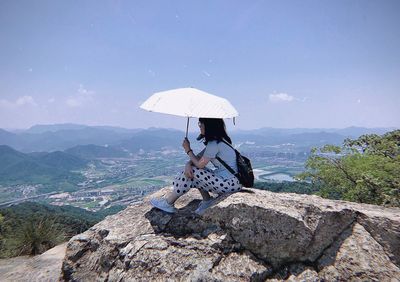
x: 41, y: 128
x: 152, y: 139
x: 94, y: 151
x: 17, y: 167
x: 60, y: 137
x: 353, y: 131
x: 300, y: 140
x: 62, y: 160
x: 8, y: 138
x: 63, y: 139
x: 302, y: 137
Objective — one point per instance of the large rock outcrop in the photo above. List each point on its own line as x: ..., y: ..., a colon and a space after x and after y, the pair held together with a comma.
x: 43, y: 267
x: 251, y: 235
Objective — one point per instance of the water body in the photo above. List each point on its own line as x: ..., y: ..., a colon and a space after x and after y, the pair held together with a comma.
x: 277, y: 177
x: 280, y: 177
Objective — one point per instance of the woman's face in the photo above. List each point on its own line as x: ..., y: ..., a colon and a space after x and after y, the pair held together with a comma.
x: 201, y: 126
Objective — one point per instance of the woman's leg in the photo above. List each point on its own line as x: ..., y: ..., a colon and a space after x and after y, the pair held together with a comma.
x: 207, y: 181
x: 231, y: 185
x: 222, y: 186
x: 181, y: 185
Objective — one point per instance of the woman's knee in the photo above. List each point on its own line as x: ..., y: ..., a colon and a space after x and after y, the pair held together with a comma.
x: 200, y: 173
x: 181, y: 188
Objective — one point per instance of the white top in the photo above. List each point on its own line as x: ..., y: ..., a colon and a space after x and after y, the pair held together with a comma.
x: 226, y: 153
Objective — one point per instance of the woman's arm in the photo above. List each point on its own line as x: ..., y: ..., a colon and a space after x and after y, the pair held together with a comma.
x: 198, y: 162
x: 198, y: 156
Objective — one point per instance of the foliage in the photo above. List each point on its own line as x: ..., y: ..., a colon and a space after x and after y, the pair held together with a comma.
x: 365, y: 170
x: 38, y: 235
x: 298, y: 187
x: 31, y: 228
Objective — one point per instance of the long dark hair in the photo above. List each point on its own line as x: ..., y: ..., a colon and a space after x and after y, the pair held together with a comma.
x: 214, y: 129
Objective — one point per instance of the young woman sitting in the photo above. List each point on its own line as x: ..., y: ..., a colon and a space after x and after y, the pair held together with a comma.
x: 196, y: 175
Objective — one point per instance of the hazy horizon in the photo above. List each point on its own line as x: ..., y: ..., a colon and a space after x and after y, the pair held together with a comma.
x: 289, y: 64
x: 230, y: 127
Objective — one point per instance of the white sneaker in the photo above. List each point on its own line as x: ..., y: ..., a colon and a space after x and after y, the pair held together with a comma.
x: 163, y: 205
x: 205, y: 205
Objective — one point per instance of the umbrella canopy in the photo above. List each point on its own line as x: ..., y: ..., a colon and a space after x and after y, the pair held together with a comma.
x: 189, y: 102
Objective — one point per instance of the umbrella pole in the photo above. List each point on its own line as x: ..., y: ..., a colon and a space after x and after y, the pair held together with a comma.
x: 187, y: 126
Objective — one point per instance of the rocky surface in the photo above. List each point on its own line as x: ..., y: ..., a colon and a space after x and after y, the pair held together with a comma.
x: 44, y: 267
x: 248, y: 236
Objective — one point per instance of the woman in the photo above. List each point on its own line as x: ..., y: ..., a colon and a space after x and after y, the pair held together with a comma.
x: 197, y: 175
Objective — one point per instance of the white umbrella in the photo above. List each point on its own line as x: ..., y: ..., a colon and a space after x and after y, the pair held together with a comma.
x: 189, y: 102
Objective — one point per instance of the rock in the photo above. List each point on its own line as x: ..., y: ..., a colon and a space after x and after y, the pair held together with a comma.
x: 253, y: 235
x: 357, y: 252
x: 43, y: 267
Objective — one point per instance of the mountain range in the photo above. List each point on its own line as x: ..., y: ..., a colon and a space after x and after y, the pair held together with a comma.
x: 50, y: 154
x: 117, y: 141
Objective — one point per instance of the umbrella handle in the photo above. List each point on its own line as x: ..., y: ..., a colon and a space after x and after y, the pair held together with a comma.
x: 187, y: 127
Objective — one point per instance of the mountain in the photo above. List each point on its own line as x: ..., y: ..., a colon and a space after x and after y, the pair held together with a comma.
x: 352, y: 132
x: 20, y: 168
x: 63, y: 139
x: 8, y: 138
x: 94, y: 151
x: 62, y: 160
x: 355, y: 132
x: 10, y: 157
x: 152, y: 139
x: 60, y: 137
x: 300, y: 139
x: 41, y: 128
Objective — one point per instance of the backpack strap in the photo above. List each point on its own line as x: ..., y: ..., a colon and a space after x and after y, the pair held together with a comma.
x: 227, y: 143
x: 224, y: 163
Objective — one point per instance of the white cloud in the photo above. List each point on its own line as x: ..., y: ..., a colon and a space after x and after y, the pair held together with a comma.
x: 281, y: 97
x: 25, y: 100
x: 81, y: 98
x: 51, y: 100
x: 20, y: 101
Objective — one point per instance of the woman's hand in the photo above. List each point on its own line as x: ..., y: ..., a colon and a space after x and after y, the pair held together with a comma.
x: 186, y: 144
x: 188, y: 171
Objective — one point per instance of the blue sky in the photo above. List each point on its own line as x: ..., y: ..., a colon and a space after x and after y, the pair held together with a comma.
x: 280, y: 63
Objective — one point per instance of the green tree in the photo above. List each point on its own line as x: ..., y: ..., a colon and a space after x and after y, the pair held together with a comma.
x: 365, y: 170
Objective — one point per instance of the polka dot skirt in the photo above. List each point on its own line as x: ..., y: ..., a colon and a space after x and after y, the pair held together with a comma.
x: 205, y: 179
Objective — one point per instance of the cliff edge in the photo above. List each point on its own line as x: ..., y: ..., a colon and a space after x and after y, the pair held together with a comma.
x: 253, y: 235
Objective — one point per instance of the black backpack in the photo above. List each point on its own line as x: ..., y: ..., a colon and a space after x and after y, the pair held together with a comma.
x: 245, y: 171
